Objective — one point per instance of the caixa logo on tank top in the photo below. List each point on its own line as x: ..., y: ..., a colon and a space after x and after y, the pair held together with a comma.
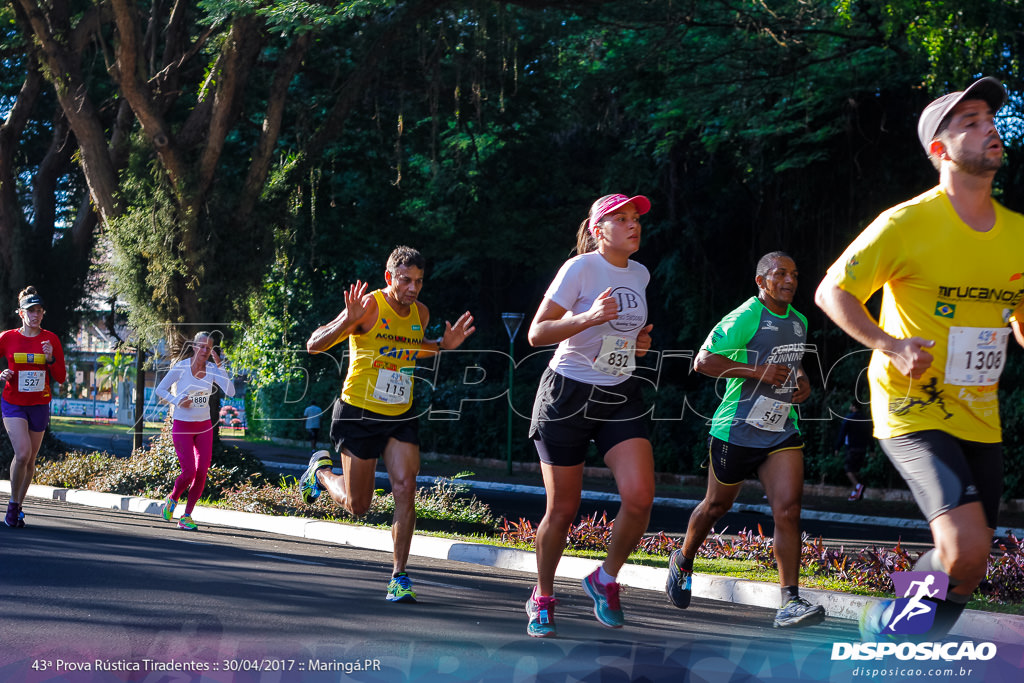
x: 632, y: 310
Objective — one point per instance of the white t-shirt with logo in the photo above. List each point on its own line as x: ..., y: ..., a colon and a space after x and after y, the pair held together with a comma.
x: 184, y: 382
x: 602, y: 354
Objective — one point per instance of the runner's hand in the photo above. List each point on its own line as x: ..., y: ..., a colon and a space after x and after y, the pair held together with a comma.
x: 603, y: 309
x: 354, y: 305
x: 643, y: 341
x: 186, y: 402
x: 803, y: 389
x: 910, y: 357
x: 772, y: 373
x: 455, y: 334
x: 6, y: 375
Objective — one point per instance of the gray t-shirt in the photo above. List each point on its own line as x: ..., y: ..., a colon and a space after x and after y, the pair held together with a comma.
x: 312, y: 414
x: 754, y: 413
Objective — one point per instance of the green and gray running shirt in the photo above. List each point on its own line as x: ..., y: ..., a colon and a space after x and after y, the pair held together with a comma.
x: 752, y: 413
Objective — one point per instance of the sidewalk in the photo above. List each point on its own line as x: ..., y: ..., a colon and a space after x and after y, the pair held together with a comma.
x: 975, y: 625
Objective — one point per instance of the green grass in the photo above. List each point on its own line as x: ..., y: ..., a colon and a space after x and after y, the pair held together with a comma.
x: 81, y: 425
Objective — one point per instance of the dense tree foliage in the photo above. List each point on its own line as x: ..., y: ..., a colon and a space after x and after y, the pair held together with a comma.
x: 249, y: 160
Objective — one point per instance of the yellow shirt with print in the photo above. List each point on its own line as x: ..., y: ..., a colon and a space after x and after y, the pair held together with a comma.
x: 381, y: 361
x: 936, y: 273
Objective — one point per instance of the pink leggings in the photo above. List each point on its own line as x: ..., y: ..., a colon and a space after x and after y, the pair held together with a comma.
x: 193, y: 443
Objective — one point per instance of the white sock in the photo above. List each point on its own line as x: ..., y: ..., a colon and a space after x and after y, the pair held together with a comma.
x: 605, y: 577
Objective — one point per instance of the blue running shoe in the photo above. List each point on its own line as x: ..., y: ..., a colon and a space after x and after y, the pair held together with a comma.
x: 309, y: 487
x: 798, y: 612
x: 873, y: 620
x: 606, y: 600
x: 679, y: 585
x: 541, y: 610
x: 400, y: 589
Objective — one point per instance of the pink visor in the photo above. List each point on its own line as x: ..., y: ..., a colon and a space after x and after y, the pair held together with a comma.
x: 606, y: 205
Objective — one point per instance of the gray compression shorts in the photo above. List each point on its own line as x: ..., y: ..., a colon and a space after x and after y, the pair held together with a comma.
x: 944, y: 472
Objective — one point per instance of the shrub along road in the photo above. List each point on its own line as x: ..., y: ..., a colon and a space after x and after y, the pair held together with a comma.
x: 852, y: 525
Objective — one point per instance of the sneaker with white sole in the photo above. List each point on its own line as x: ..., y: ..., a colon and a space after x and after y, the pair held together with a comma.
x: 400, y: 589
x: 309, y: 486
x: 187, y: 524
x: 541, y: 610
x: 798, y: 612
x: 606, y: 600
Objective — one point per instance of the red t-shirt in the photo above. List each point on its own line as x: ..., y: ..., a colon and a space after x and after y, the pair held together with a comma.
x: 30, y: 385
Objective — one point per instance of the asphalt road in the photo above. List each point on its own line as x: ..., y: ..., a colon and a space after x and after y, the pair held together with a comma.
x: 89, y: 594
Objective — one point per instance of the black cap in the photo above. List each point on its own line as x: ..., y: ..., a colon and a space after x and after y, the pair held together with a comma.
x: 30, y: 300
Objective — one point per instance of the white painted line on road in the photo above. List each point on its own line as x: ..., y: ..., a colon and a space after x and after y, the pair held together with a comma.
x: 289, y: 559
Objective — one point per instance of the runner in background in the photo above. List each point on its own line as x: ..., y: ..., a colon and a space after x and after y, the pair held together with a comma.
x: 758, y: 349
x: 373, y: 418
x: 312, y: 414
x: 596, y: 311
x: 35, y: 359
x: 193, y: 379
x: 853, y: 439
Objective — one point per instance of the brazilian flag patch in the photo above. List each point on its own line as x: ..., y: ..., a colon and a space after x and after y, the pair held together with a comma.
x: 945, y: 310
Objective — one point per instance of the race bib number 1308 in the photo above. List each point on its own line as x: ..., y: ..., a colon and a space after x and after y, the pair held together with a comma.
x: 976, y: 356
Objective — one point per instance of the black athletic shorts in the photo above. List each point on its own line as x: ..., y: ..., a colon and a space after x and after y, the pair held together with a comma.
x: 944, y: 472
x: 731, y: 464
x: 364, y: 433
x: 854, y: 459
x: 568, y: 415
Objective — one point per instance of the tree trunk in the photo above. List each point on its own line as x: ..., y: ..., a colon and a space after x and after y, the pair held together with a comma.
x: 140, y: 398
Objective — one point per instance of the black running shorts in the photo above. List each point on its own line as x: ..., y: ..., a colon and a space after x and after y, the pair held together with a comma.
x: 568, y: 415
x: 364, y: 433
x: 731, y: 464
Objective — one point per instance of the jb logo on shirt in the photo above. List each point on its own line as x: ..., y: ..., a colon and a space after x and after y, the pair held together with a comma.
x: 632, y: 309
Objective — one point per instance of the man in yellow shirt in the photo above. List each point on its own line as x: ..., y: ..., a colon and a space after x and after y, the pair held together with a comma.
x: 950, y: 268
x: 374, y: 416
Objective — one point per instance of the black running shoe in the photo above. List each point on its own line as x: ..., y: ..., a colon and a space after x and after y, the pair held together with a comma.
x: 680, y: 582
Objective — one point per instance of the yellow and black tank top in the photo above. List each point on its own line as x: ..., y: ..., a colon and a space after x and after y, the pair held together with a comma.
x: 381, y: 361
